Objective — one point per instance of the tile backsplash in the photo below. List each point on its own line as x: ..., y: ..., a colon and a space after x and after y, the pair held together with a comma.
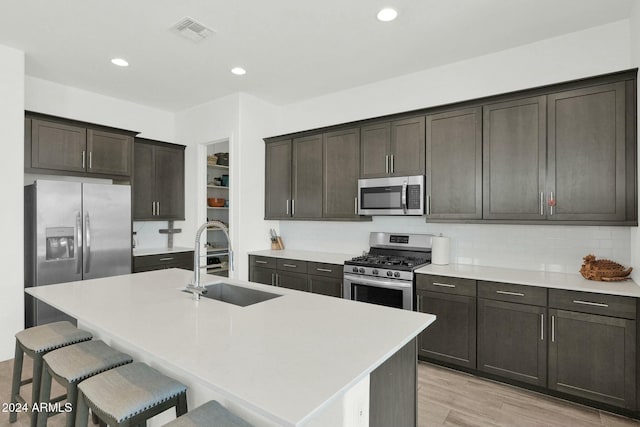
x: 556, y: 248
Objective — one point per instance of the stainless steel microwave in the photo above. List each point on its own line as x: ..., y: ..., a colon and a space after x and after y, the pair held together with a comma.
x: 391, y: 196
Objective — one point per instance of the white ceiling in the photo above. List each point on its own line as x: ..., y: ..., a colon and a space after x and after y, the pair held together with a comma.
x: 292, y: 49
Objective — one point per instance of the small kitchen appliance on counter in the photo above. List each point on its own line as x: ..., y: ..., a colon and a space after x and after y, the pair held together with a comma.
x: 385, y: 275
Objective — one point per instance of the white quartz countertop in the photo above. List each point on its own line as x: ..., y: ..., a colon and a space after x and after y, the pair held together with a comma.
x: 573, y: 282
x: 156, y: 251
x: 325, y: 257
x: 285, y: 358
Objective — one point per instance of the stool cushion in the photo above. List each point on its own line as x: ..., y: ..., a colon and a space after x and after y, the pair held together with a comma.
x: 129, y: 390
x: 210, y: 414
x: 44, y: 338
x: 83, y: 360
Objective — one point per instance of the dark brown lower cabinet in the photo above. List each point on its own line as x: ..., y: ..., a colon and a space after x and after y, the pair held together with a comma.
x: 593, y: 357
x: 330, y: 286
x: 182, y: 260
x: 452, y: 337
x: 297, y: 281
x: 263, y: 275
x: 512, y: 341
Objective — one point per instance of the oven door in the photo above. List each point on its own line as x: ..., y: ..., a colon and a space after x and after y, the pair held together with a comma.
x: 390, y: 293
x: 391, y: 196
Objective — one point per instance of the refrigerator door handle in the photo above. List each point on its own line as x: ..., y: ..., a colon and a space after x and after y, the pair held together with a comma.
x: 87, y: 225
x: 78, y: 243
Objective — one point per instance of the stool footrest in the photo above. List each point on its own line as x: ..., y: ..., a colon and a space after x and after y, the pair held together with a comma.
x: 25, y: 382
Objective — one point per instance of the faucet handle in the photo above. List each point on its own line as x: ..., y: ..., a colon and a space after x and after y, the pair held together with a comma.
x: 197, y: 291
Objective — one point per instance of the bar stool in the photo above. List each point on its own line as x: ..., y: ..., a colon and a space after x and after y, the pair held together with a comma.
x: 72, y: 364
x: 36, y: 342
x: 211, y: 414
x: 129, y: 395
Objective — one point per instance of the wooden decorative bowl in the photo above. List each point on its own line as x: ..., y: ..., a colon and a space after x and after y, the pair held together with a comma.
x: 215, y: 202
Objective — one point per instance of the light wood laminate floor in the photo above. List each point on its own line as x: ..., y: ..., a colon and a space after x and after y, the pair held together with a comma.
x: 445, y: 398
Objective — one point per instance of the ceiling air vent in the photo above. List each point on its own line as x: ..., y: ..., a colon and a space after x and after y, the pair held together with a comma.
x: 192, y: 29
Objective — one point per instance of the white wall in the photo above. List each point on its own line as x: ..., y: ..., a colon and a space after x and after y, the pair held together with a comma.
x: 634, y: 24
x: 557, y: 248
x: 11, y: 224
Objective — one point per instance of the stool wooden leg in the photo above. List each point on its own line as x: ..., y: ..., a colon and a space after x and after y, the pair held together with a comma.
x: 45, y: 396
x: 15, y: 383
x: 35, y: 394
x: 82, y: 411
x: 72, y: 397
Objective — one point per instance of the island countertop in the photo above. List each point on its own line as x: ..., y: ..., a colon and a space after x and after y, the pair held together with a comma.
x: 285, y: 358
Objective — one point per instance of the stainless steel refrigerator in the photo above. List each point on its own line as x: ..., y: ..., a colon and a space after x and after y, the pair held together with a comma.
x: 73, y: 231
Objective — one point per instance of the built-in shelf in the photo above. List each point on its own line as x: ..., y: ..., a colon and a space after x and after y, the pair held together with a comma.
x: 217, y: 166
x: 211, y: 207
x: 216, y: 175
x: 222, y: 187
x: 217, y: 269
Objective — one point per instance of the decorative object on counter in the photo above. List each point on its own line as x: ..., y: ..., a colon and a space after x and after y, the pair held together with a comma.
x: 215, y: 202
x: 216, y: 181
x: 170, y: 231
x: 603, y: 270
x: 212, y: 160
x: 440, y: 250
x: 222, y: 159
x: 276, y: 241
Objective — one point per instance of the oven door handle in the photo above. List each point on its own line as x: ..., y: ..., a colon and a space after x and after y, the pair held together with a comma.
x: 405, y: 186
x: 395, y: 284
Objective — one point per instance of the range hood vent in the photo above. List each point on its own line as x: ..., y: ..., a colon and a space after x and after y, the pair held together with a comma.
x: 192, y: 29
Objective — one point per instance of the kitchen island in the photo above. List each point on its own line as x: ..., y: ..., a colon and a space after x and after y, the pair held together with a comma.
x: 295, y: 360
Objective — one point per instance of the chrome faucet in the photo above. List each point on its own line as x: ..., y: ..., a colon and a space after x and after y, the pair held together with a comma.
x: 196, y: 288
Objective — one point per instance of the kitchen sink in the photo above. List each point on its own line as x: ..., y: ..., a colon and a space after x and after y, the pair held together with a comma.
x: 236, y: 295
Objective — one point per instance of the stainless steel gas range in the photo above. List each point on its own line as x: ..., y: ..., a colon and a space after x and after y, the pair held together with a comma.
x: 385, y: 275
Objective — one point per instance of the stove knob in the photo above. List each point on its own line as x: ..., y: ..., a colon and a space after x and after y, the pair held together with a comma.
x: 396, y: 274
x: 374, y: 271
x: 389, y: 273
x: 355, y: 269
x: 361, y: 270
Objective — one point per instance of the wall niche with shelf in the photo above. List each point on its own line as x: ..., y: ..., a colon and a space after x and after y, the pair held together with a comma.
x: 218, y: 204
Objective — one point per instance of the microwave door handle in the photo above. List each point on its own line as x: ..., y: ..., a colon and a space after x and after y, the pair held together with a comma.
x: 77, y: 245
x: 404, y: 196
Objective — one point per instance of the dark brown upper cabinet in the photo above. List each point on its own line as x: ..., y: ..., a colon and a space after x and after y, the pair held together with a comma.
x: 158, y: 181
x: 306, y: 177
x: 59, y: 146
x: 278, y: 180
x: 393, y: 148
x: 454, y: 164
x: 341, y: 163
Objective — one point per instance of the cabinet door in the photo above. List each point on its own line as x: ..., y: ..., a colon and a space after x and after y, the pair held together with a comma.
x: 374, y: 150
x: 278, y: 180
x: 58, y: 146
x: 143, y: 181
x: 297, y: 281
x: 593, y: 357
x: 587, y: 153
x: 454, y: 164
x: 109, y: 153
x: 514, y: 159
x: 266, y: 276
x: 512, y: 341
x: 341, y: 159
x: 452, y: 337
x: 330, y: 286
x: 169, y: 183
x: 407, y: 147
x: 307, y: 177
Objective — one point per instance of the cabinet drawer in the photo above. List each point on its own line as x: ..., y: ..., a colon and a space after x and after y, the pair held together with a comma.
x: 262, y: 261
x: 512, y: 293
x: 172, y: 259
x: 329, y: 270
x: 446, y: 285
x: 298, y: 266
x: 588, y: 302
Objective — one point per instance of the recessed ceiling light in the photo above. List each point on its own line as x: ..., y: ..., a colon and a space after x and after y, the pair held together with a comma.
x: 119, y: 62
x: 387, y: 14
x: 238, y: 71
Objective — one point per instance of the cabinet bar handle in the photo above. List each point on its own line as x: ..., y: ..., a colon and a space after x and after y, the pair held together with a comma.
x: 273, y: 281
x: 293, y: 207
x: 444, y: 285
x: 419, y: 303
x: 89, y: 159
x: 553, y: 203
x: 428, y: 204
x: 326, y: 270
x: 157, y: 208
x: 386, y: 163
x: 393, y: 166
x: 166, y: 259
x: 542, y: 203
x: 287, y: 207
x: 541, y: 327
x: 595, y: 304
x: 258, y: 261
x: 153, y: 208
x: 515, y: 294
x: 553, y: 328
x: 277, y: 279
x: 289, y: 265
x: 355, y: 205
x: 83, y: 155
